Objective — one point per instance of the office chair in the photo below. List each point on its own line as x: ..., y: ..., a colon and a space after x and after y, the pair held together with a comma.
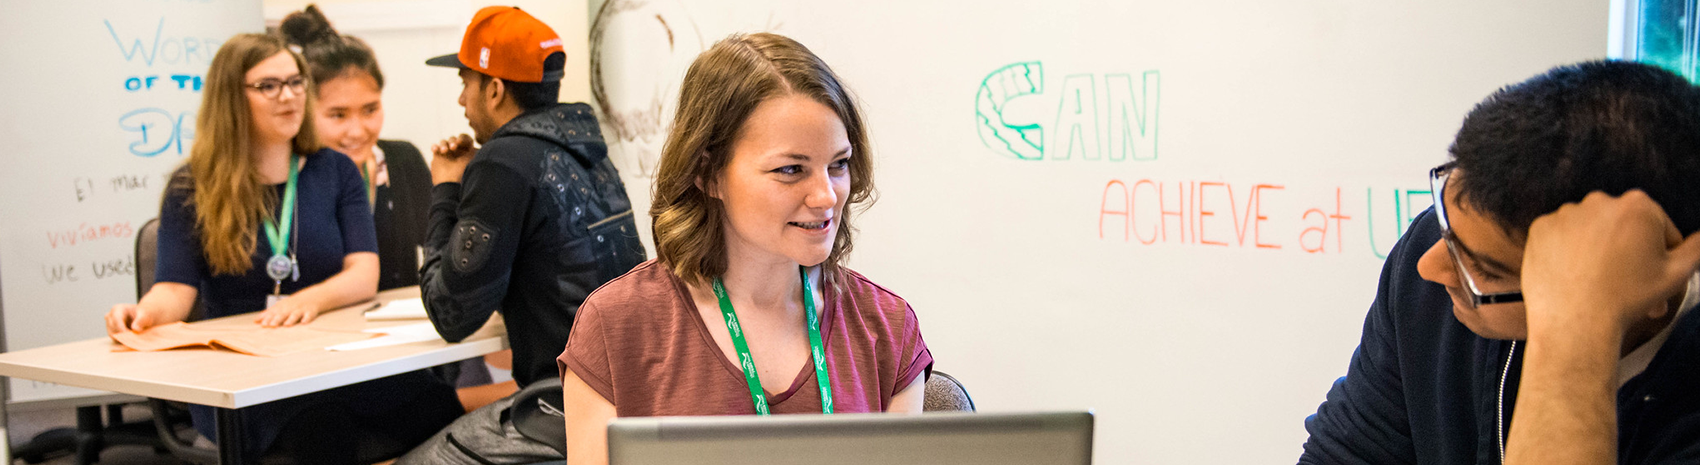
x: 93, y: 433
x: 170, y: 421
x: 946, y: 394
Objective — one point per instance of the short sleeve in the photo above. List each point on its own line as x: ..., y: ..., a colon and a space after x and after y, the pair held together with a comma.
x: 918, y: 359
x: 587, y: 353
x: 178, y: 256
x: 353, y: 212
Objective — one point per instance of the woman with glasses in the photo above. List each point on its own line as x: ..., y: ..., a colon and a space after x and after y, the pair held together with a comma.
x: 260, y: 219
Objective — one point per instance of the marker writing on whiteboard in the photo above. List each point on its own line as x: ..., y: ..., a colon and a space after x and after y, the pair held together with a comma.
x: 89, y: 188
x: 157, y: 130
x: 1239, y: 215
x: 1094, y: 119
x: 160, y: 48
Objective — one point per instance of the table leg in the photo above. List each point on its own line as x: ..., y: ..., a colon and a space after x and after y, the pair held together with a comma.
x: 229, y: 436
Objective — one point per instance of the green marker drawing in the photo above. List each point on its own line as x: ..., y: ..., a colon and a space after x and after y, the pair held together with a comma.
x: 1023, y: 141
x: 1077, y: 119
x: 1402, y: 214
x: 1132, y: 121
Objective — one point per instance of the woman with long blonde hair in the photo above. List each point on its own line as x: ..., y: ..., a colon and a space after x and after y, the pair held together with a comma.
x: 261, y: 219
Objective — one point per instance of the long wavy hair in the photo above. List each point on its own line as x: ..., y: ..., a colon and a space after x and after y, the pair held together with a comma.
x: 230, y: 198
x: 721, y: 88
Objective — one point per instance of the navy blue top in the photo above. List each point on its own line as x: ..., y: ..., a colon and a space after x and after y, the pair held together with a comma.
x: 1422, y: 388
x: 333, y: 221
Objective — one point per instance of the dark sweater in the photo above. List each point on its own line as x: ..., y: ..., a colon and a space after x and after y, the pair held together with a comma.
x: 539, y: 220
x: 1423, y: 388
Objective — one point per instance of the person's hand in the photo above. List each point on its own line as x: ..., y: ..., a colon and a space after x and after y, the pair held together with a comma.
x: 128, y: 317
x: 1604, y: 262
x: 449, y: 158
x: 288, y: 312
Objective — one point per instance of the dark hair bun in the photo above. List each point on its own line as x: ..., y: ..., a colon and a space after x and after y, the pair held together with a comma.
x: 307, y: 26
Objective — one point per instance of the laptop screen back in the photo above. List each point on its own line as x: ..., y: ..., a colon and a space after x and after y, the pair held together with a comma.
x: 1063, y: 438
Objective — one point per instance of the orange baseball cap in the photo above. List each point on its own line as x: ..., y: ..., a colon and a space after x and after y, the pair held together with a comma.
x: 507, y: 43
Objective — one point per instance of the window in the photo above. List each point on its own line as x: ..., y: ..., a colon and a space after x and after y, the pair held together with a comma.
x: 1665, y: 34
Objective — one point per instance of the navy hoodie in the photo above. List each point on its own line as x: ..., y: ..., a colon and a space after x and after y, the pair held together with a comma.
x: 1422, y: 388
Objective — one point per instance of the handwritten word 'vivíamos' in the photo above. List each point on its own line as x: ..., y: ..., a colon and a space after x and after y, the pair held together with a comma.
x: 89, y: 232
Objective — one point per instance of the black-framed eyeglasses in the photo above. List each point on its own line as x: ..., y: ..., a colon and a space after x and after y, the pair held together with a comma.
x: 1437, y: 186
x: 271, y: 88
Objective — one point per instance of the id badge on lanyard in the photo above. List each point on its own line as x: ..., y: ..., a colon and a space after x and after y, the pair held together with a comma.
x: 282, y: 263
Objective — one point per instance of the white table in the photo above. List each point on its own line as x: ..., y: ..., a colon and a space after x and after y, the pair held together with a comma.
x: 230, y: 381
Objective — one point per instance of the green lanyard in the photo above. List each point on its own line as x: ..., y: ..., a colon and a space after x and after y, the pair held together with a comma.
x: 280, y: 266
x: 749, y: 364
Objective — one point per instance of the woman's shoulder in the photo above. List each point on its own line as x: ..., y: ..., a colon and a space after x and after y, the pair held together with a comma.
x: 181, y: 182
x: 648, y: 285
x: 328, y: 157
x: 330, y: 163
x: 405, y: 164
x: 400, y: 148
x: 870, y: 295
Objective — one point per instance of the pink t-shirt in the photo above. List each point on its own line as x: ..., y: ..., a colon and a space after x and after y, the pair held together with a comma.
x: 639, y: 341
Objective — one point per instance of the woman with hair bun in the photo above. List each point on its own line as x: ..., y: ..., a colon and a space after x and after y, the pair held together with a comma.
x: 349, y: 115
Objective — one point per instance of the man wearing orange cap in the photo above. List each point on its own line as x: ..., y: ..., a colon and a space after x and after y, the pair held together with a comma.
x: 528, y: 216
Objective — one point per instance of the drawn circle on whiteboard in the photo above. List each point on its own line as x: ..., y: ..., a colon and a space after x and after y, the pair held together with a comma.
x: 639, y: 51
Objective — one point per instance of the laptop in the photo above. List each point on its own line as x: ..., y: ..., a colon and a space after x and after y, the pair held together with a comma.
x: 1052, y: 438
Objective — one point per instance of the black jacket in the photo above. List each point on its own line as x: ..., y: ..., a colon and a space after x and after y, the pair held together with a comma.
x: 1422, y: 388
x: 539, y: 220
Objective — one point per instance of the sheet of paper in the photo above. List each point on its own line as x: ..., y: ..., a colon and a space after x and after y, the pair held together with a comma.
x: 402, y: 309
x: 394, y: 335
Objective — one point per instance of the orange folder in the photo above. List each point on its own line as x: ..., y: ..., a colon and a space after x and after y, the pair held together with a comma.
x: 250, y: 339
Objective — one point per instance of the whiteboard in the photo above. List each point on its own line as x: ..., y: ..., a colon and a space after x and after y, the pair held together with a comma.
x: 100, y: 98
x: 1171, y: 213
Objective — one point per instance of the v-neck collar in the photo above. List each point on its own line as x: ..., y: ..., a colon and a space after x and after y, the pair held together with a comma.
x: 733, y: 372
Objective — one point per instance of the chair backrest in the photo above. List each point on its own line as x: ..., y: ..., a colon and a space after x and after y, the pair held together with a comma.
x: 147, y: 257
x: 946, y: 394
x: 147, y: 247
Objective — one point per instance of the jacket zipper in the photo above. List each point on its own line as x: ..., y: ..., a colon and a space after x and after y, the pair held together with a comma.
x: 1499, y: 416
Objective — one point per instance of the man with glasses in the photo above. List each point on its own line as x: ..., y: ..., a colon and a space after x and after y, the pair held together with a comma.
x: 1540, y: 312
